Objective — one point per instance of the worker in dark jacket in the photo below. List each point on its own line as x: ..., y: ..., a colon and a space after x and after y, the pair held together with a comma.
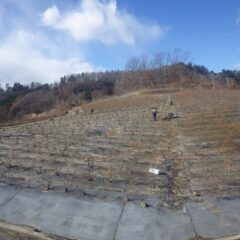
x: 154, y: 114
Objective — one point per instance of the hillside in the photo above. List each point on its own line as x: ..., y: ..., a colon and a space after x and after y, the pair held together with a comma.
x: 108, y: 154
x: 19, y: 103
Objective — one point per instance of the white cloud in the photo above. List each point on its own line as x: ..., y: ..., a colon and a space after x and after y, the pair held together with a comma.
x: 22, y: 60
x: 236, y: 66
x: 51, y: 16
x: 96, y: 20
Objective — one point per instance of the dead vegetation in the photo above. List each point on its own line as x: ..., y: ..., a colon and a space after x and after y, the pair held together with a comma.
x: 210, y: 124
x: 14, y: 232
x: 111, y: 150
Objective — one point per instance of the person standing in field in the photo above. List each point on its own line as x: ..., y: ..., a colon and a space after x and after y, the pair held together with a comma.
x: 154, y: 114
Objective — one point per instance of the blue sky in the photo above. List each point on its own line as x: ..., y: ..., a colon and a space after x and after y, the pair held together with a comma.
x: 41, y: 40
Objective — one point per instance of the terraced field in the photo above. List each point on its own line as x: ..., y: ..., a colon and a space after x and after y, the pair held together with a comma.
x: 209, y: 134
x: 109, y: 153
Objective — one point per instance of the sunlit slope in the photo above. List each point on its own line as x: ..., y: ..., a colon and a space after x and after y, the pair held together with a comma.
x: 111, y: 150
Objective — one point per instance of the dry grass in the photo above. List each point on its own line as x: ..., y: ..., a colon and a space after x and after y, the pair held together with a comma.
x: 134, y: 100
x: 210, y: 124
x: 34, y: 118
x: 212, y: 116
x: 204, y: 138
x: 13, y: 232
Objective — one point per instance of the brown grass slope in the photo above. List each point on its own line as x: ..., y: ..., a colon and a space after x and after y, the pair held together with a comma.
x: 109, y: 152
